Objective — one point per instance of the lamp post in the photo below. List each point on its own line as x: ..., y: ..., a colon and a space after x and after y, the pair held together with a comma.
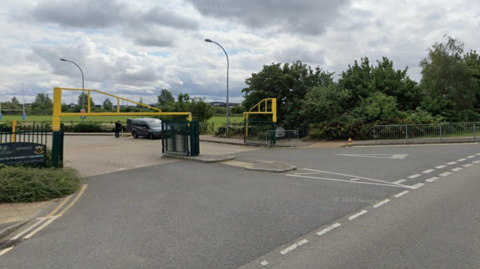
x: 83, y: 85
x: 228, y: 64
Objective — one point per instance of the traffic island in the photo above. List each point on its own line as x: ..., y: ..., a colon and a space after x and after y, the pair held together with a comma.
x: 203, y: 158
x: 271, y: 167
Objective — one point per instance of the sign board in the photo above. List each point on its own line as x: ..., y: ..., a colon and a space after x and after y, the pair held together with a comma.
x: 22, y: 153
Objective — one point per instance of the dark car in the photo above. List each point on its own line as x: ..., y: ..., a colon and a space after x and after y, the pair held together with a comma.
x: 148, y: 127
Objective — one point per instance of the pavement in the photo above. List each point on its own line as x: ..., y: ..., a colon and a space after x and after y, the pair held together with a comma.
x: 102, y: 155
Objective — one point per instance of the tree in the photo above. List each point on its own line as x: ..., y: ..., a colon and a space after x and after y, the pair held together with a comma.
x: 289, y: 84
x: 141, y: 102
x: 364, y: 79
x: 450, y: 75
x: 183, y: 102
x: 201, y: 110
x: 42, y: 105
x: 82, y: 101
x: 107, y: 104
x: 378, y: 107
x: 165, y: 99
x: 324, y: 103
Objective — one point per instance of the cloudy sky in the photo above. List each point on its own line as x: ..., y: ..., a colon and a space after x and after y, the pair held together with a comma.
x: 135, y: 48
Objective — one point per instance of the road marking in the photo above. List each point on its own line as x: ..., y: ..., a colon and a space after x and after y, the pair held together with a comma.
x: 264, y: 262
x: 354, y: 179
x: 328, y: 229
x: 388, y: 184
x: 140, y: 165
x: 399, y: 181
x: 461, y: 160
x: 294, y: 246
x: 476, y: 162
x: 467, y: 165
x: 418, y: 185
x: 428, y: 171
x: 5, y: 251
x: 432, y: 179
x: 121, y: 169
x: 354, y: 216
x: 471, y: 156
x: 457, y: 169
x: 379, y: 156
x: 441, y: 166
x: 478, y: 154
x: 414, y: 176
x: 27, y: 230
x: 401, y: 194
x: 445, y: 174
x: 381, y: 203
x: 60, y: 206
x: 74, y: 200
x: 45, y: 224
x: 451, y: 163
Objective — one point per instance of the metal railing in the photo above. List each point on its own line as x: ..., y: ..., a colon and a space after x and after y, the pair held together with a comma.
x: 34, y: 134
x: 282, y: 137
x: 427, y: 132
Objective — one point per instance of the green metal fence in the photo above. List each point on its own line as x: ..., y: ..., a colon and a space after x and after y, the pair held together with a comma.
x: 36, y: 134
x: 181, y: 138
x: 428, y: 132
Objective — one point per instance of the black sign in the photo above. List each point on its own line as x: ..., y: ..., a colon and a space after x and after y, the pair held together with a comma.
x: 22, y: 153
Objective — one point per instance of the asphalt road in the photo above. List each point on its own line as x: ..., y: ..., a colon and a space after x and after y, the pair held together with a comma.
x: 192, y: 215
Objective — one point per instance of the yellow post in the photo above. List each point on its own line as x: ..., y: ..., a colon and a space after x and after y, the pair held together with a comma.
x: 246, y: 127
x: 88, y: 102
x: 57, y: 108
x: 118, y: 105
x: 13, y: 138
x: 274, y: 109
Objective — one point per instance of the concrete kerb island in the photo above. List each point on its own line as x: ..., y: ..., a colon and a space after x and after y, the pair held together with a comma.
x: 203, y: 158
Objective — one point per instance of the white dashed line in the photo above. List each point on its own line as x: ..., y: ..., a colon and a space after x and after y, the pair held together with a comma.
x: 414, y: 176
x: 478, y: 154
x: 328, y: 229
x: 401, y: 194
x: 381, y: 203
x: 121, y: 169
x: 475, y: 162
x: 471, y: 156
x: 461, y: 160
x: 416, y: 186
x: 467, y: 165
x: 294, y: 246
x: 457, y: 169
x: 354, y: 216
x: 451, y: 163
x: 399, y: 181
x: 428, y: 171
x: 264, y: 262
x: 445, y: 174
x: 441, y: 166
x: 354, y: 179
x: 432, y: 179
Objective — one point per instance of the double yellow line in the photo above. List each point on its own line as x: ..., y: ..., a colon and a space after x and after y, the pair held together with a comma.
x: 45, y: 221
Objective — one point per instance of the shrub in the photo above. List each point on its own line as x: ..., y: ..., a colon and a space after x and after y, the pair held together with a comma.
x: 20, y: 184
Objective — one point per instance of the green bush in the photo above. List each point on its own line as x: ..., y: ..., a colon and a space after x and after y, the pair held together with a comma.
x: 234, y: 128
x: 20, y: 184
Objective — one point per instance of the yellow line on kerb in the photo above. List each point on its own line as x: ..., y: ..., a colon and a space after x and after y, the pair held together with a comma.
x: 74, y: 200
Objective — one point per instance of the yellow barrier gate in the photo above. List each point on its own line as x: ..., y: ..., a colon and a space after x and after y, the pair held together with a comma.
x: 57, y: 108
x: 256, y: 110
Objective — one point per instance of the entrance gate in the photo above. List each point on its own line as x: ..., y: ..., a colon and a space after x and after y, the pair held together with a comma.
x: 181, y: 138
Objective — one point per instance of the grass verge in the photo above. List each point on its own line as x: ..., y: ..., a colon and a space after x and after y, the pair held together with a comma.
x: 19, y: 184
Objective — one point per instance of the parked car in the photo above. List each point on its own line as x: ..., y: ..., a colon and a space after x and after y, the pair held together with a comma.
x: 147, y: 127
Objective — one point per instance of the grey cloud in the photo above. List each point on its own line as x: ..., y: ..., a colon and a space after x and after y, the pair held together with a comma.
x: 154, y: 42
x: 106, y: 13
x: 300, y: 53
x: 164, y: 17
x: 93, y: 13
x: 307, y: 17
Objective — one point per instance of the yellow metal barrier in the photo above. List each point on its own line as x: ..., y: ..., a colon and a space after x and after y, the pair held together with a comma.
x: 257, y: 107
x: 57, y: 108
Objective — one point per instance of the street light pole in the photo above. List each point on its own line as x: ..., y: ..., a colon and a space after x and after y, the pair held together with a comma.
x: 228, y: 64
x: 83, y: 84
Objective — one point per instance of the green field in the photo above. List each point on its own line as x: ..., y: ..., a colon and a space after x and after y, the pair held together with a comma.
x: 107, y: 119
